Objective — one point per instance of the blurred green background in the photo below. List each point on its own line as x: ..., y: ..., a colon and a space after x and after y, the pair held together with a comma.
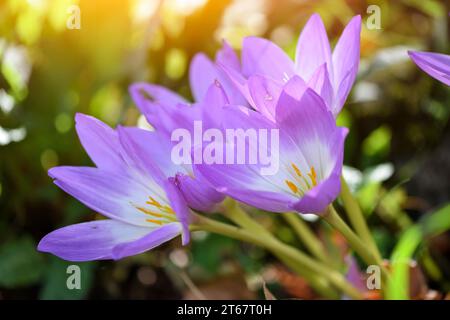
x: 398, y: 118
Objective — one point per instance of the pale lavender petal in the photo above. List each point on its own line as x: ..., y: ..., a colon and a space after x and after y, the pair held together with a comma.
x: 198, y: 193
x: 317, y: 199
x: 155, y: 238
x: 100, y: 142
x: 238, y: 81
x: 144, y: 167
x: 354, y: 275
x: 202, y: 73
x: 109, y: 193
x: 262, y: 57
x: 321, y: 84
x: 153, y: 147
x: 246, y: 181
x: 346, y: 59
x: 265, y: 93
x: 90, y: 240
x: 228, y: 57
x: 436, y: 65
x: 212, y: 106
x: 179, y: 206
x: 313, y: 48
x: 145, y: 95
x: 264, y: 200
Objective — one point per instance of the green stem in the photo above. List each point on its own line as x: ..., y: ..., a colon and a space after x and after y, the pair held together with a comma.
x: 365, y: 252
x: 308, y: 238
x: 274, y: 245
x: 356, y: 218
x: 233, y: 211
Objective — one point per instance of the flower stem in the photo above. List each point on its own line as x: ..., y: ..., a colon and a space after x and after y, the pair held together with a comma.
x: 233, y: 211
x: 355, y: 242
x: 357, y: 219
x: 308, y: 238
x: 274, y: 245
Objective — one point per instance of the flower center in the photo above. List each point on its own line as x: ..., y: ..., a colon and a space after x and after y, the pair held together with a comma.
x: 301, y: 183
x: 160, y: 214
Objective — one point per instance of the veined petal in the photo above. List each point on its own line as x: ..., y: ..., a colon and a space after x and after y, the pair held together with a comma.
x: 179, y: 206
x: 100, y: 142
x: 145, y: 95
x: 202, y: 73
x: 313, y: 48
x: 262, y: 57
x: 153, y: 147
x: 254, y: 182
x: 321, y: 84
x: 90, y: 240
x: 109, y: 193
x: 212, y: 105
x: 435, y: 64
x: 228, y: 57
x: 198, y: 193
x: 346, y: 58
x: 265, y: 93
x: 239, y: 82
x: 155, y: 238
x: 318, y: 198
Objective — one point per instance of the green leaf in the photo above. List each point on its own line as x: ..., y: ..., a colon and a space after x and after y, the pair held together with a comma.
x: 431, y: 225
x: 20, y: 263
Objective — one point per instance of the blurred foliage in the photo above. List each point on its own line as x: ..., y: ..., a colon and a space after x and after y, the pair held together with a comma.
x: 397, y: 115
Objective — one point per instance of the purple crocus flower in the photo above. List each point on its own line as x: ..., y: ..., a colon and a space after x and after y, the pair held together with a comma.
x: 310, y: 155
x: 266, y: 66
x: 167, y: 111
x: 144, y: 207
x: 436, y: 65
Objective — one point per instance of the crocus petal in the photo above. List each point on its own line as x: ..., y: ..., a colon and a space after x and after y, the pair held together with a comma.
x: 145, y: 95
x: 179, y: 206
x: 265, y: 93
x: 198, y: 193
x: 90, y: 240
x: 212, y: 105
x: 262, y: 57
x: 238, y: 81
x: 435, y: 64
x: 150, y: 151
x: 354, y: 275
x: 100, y: 142
x: 317, y: 199
x: 109, y: 193
x: 155, y: 238
x: 321, y: 84
x: 228, y: 57
x: 202, y: 73
x: 313, y: 48
x: 247, y: 181
x: 346, y: 58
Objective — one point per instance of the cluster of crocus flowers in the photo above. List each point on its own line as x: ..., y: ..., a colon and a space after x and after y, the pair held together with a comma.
x: 149, y: 199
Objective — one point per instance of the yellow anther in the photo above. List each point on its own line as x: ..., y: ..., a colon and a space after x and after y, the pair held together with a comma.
x: 155, y: 203
x: 154, y: 221
x: 149, y: 212
x: 291, y: 186
x: 313, y: 176
x: 297, y: 170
